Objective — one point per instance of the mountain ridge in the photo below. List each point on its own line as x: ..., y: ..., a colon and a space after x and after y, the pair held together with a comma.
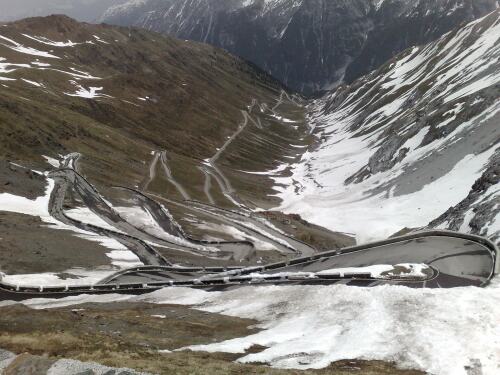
x: 338, y: 41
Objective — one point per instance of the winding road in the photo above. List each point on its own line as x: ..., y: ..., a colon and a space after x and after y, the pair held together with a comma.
x: 449, y: 259
x: 445, y: 259
x: 171, y: 179
x: 133, y: 237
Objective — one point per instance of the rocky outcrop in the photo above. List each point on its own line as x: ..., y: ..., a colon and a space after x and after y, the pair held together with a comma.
x: 12, y: 364
x: 310, y: 45
x: 479, y: 212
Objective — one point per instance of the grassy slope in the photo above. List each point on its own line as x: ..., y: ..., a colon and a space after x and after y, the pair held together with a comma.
x: 197, y: 92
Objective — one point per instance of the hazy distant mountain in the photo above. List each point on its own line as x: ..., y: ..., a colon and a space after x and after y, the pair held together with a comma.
x: 82, y: 10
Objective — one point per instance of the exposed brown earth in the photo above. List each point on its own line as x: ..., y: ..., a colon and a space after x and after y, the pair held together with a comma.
x: 20, y: 181
x: 321, y: 238
x: 27, y: 245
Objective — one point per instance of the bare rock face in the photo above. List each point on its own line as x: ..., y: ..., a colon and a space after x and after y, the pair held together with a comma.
x: 480, y: 209
x: 310, y: 45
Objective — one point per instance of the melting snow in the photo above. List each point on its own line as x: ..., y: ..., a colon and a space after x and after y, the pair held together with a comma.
x: 382, y: 271
x: 32, y: 82
x: 38, y: 63
x: 51, y: 161
x: 124, y: 258
x: 90, y: 93
x: 96, y: 37
x: 74, y: 276
x: 49, y: 42
x: 26, y: 50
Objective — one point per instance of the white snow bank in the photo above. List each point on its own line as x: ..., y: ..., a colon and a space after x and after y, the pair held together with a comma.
x: 38, y: 63
x: 53, y: 162
x: 85, y: 215
x: 36, y: 207
x: 436, y: 330
x: 381, y: 201
x: 382, y: 271
x: 439, y: 331
x: 36, y: 84
x: 44, y: 303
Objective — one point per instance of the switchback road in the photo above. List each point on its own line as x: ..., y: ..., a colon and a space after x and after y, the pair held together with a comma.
x: 448, y: 259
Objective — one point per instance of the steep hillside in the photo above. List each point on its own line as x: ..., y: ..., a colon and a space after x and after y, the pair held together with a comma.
x: 310, y: 45
x: 115, y: 95
x: 148, y: 122
x: 400, y: 146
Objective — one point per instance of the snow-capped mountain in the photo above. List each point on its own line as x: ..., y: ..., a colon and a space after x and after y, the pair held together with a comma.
x: 402, y: 145
x: 310, y: 45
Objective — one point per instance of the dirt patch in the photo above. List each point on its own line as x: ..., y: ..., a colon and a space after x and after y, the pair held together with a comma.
x: 21, y: 181
x: 320, y: 238
x: 27, y: 245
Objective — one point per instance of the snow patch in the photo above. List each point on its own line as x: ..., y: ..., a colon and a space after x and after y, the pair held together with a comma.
x: 90, y: 93
x: 13, y: 45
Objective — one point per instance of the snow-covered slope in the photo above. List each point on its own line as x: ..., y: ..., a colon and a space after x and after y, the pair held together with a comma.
x: 309, y: 45
x: 403, y: 144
